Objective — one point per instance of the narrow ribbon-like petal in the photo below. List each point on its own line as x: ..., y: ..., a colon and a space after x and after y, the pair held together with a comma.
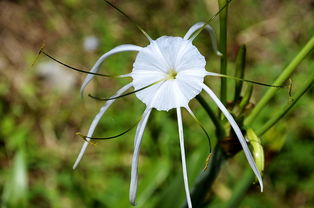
x: 137, y: 143
x: 185, y: 174
x: 95, y: 68
x: 96, y: 120
x: 211, y: 32
x: 237, y: 131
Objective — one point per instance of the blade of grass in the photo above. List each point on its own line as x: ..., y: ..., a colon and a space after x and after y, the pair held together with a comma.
x: 223, y: 17
x: 286, y: 73
x: 239, y: 72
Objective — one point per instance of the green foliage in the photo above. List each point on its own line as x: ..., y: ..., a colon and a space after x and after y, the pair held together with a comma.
x: 38, y: 120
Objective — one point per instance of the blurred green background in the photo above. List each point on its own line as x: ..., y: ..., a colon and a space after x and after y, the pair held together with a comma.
x: 41, y: 109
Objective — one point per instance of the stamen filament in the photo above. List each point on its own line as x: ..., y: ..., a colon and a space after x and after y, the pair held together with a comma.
x: 106, y: 138
x: 96, y: 120
x: 126, y: 94
x: 244, y: 80
x: 77, y: 69
x: 130, y: 19
x: 38, y: 54
x: 213, y: 17
x: 202, y: 126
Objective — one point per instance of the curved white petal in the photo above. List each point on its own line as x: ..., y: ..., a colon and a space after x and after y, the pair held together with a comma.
x: 211, y: 32
x: 238, y: 132
x: 185, y: 174
x: 190, y: 111
x: 95, y: 68
x: 137, y: 143
x: 193, y: 29
x: 97, y: 119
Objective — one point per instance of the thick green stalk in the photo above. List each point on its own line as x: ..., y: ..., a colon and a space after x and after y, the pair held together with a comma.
x: 202, y: 186
x: 286, y: 73
x: 223, y: 17
x: 248, y: 177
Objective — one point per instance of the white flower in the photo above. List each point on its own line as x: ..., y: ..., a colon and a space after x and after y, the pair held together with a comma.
x: 170, y: 71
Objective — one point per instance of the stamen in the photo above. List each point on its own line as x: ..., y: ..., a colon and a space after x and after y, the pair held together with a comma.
x: 207, y: 135
x: 130, y: 19
x: 106, y: 138
x: 245, y: 80
x: 290, y: 91
x: 210, y: 31
x: 123, y: 95
x: 76, y: 69
x: 172, y: 74
x: 85, y: 138
x: 213, y: 17
x: 207, y: 161
x: 202, y: 126
x: 38, y: 54
x: 96, y: 120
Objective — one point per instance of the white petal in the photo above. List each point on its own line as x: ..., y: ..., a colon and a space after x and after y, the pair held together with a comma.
x: 95, y: 68
x: 190, y: 87
x: 137, y: 144
x: 193, y: 29
x: 238, y: 132
x: 170, y: 47
x: 211, y: 32
x: 191, y: 59
x: 185, y: 174
x: 97, y: 119
x: 151, y: 56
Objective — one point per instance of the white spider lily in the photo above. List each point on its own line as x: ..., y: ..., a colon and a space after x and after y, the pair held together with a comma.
x: 174, y: 70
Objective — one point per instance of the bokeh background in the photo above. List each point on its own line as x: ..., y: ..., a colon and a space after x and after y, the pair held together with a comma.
x: 41, y: 109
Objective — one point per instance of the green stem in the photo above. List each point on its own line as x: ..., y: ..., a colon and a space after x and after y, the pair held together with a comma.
x: 288, y: 70
x: 207, y: 178
x: 204, y: 183
x: 285, y: 110
x: 244, y: 184
x: 240, y: 189
x: 223, y: 16
x: 239, y: 72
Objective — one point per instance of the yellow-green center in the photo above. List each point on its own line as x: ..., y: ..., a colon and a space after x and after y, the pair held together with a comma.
x: 172, y: 74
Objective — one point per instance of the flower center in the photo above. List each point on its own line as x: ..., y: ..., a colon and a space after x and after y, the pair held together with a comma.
x: 172, y: 74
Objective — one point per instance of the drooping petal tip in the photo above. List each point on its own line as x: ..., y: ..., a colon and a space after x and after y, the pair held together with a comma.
x: 238, y: 132
x: 183, y: 159
x: 137, y: 143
